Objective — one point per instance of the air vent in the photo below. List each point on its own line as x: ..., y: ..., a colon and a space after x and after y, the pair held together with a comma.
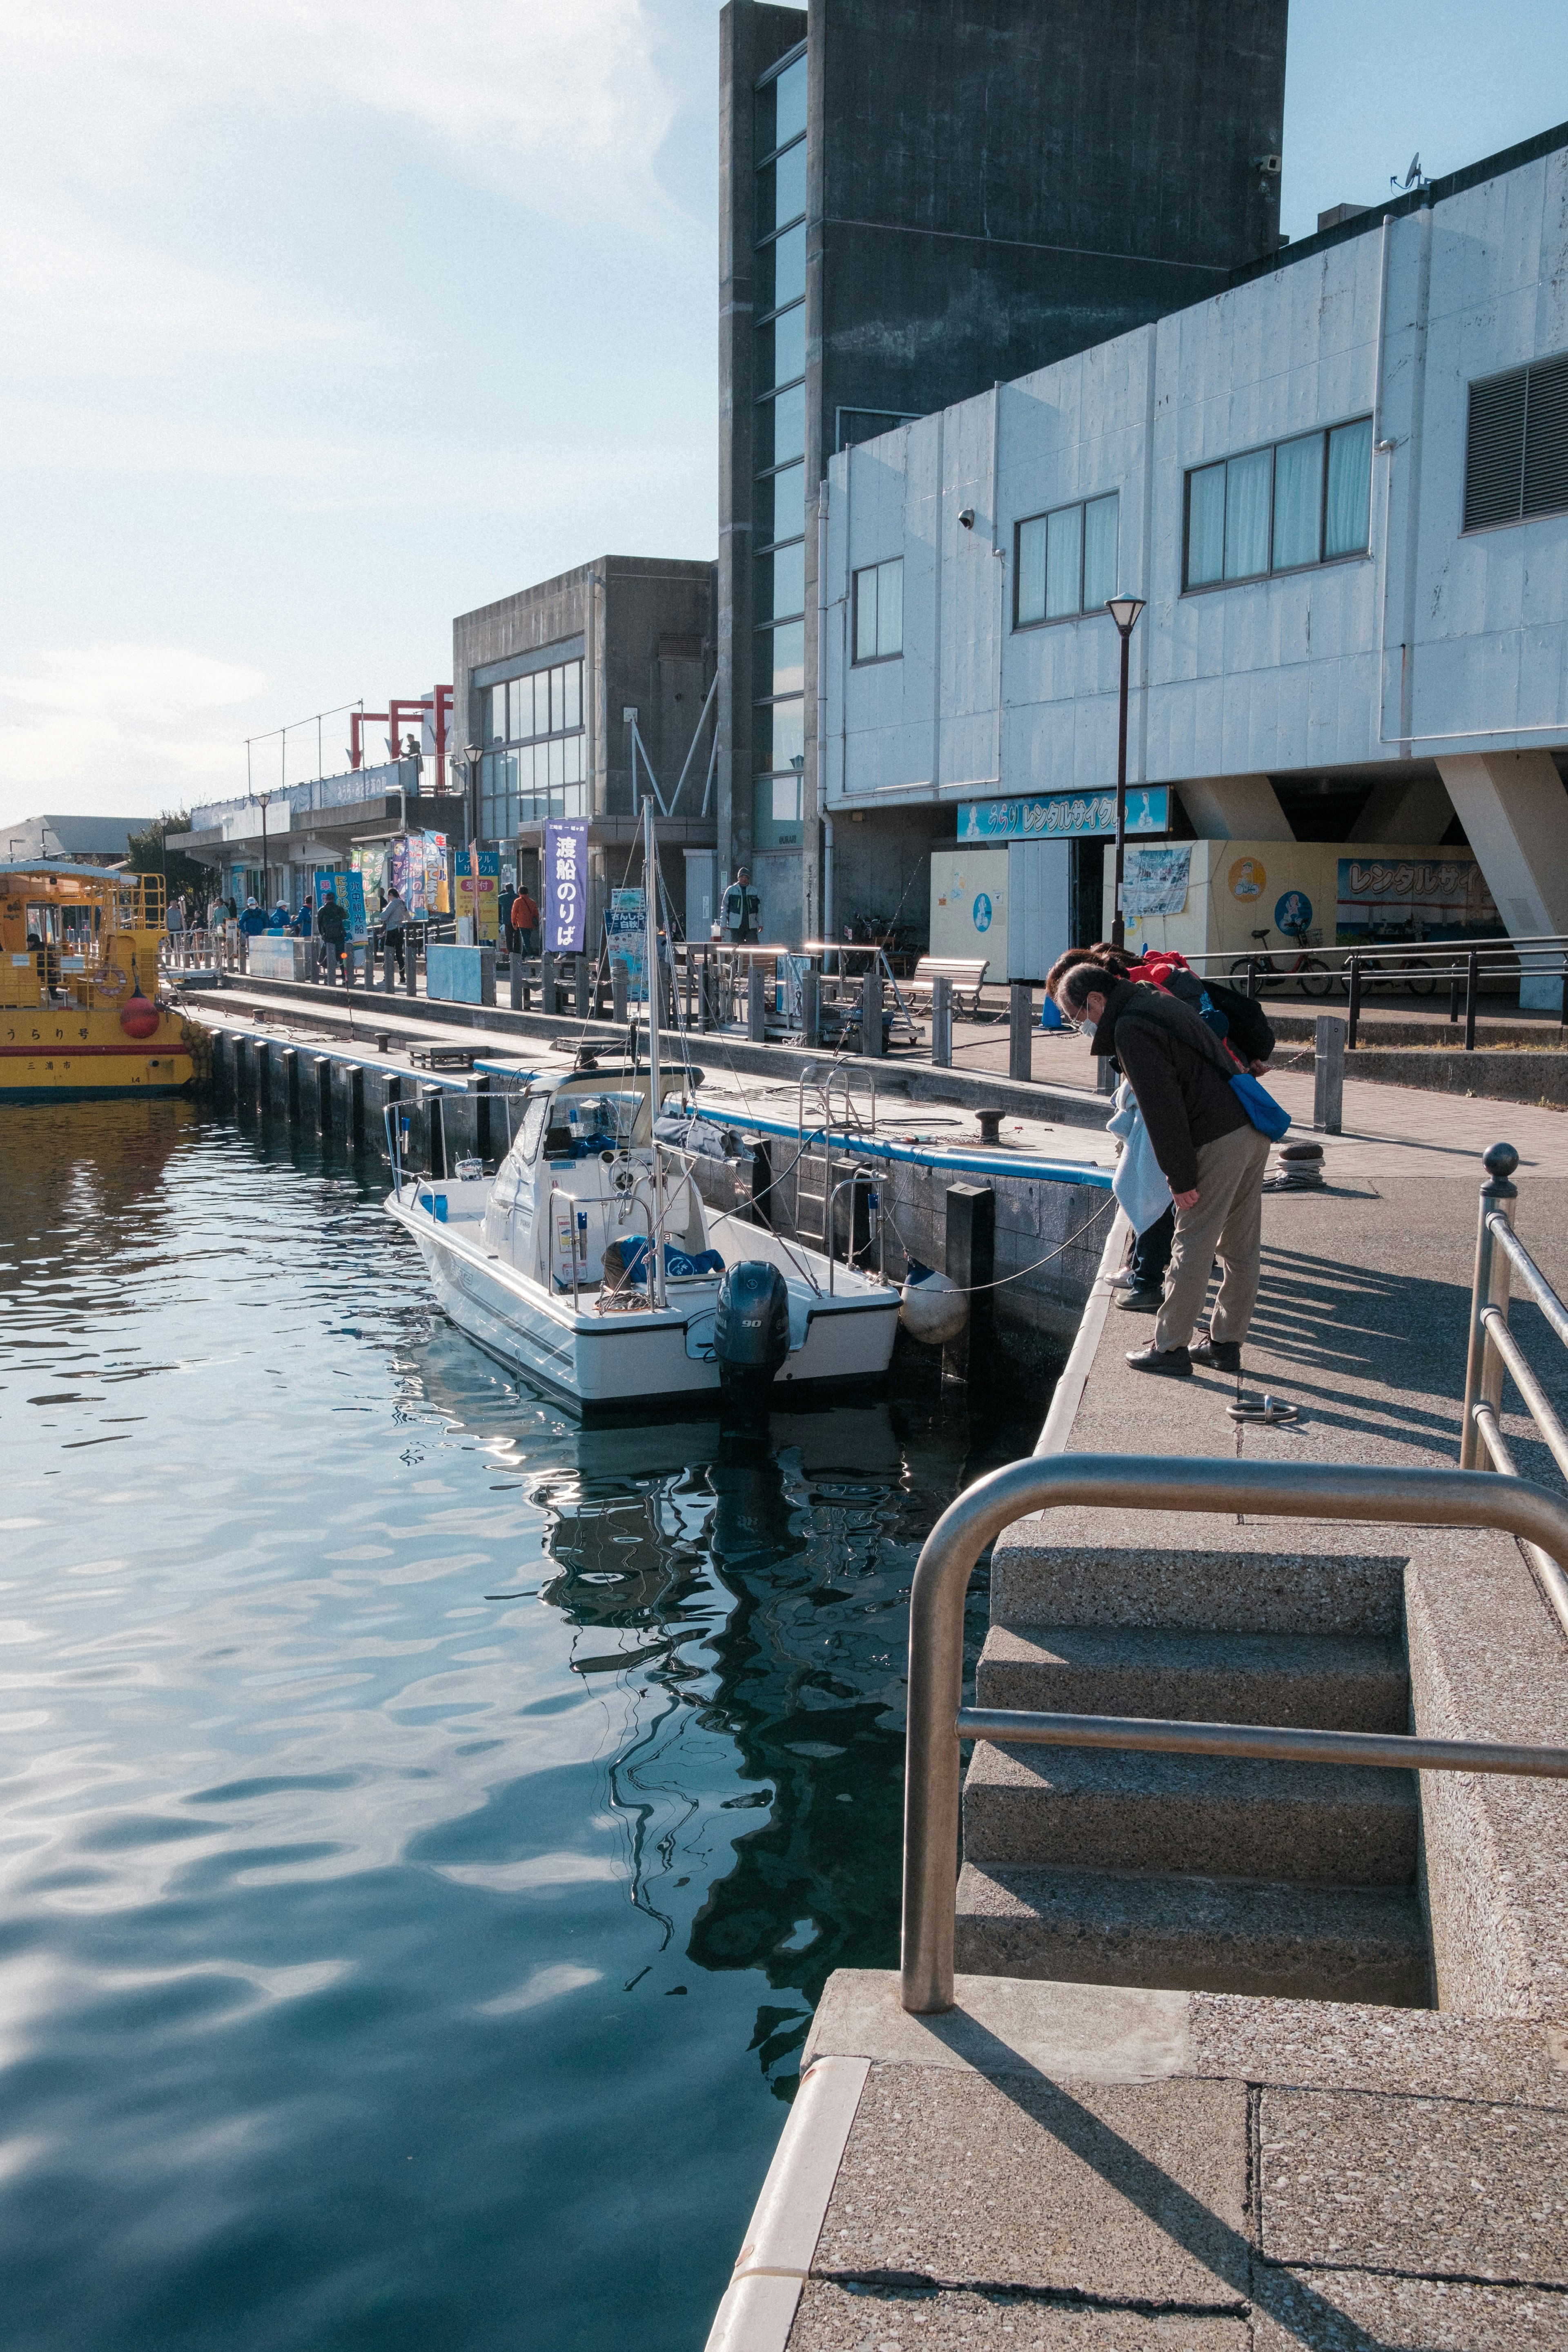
x: 1516, y: 456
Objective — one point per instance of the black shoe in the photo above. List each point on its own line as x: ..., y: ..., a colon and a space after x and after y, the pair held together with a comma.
x: 1141, y: 1302
x: 1211, y: 1355
x: 1174, y: 1363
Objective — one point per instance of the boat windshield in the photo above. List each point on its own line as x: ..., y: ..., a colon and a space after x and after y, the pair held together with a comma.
x: 602, y: 1122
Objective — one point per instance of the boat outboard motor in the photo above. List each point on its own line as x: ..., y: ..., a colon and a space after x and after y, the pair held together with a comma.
x: 750, y: 1328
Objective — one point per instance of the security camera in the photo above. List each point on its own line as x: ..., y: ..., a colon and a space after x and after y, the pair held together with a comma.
x: 967, y: 517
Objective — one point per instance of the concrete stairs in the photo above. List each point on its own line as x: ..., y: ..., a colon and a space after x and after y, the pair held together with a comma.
x: 1219, y: 1873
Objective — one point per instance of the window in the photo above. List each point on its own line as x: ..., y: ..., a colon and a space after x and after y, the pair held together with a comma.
x: 856, y: 425
x: 1302, y: 501
x: 1516, y: 452
x: 1065, y: 563
x: 536, y: 764
x: 879, y: 610
x: 778, y: 504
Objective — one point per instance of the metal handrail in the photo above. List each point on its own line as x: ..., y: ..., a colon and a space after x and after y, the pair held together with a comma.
x: 1464, y: 1498
x: 1493, y: 1349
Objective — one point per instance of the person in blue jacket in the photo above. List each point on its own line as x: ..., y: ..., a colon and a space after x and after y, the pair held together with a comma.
x: 253, y: 922
x: 303, y: 921
x: 279, y: 922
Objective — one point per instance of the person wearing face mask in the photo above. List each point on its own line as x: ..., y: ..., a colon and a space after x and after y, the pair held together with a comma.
x: 1213, y: 1157
x: 1139, y: 1285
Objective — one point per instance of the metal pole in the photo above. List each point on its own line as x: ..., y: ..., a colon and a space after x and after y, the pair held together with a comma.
x: 1472, y: 989
x: 1020, y: 1031
x: 1120, y: 1481
x: 657, y: 1297
x: 942, y: 1023
x: 1353, y: 1023
x: 1117, y: 928
x: 1483, y: 1365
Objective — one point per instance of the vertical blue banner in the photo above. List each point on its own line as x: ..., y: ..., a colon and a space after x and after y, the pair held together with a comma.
x: 565, y: 885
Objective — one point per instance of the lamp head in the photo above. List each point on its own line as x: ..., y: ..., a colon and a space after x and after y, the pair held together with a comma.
x: 1124, y: 611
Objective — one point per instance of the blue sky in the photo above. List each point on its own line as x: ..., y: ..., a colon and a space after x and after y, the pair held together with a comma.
x: 326, y: 322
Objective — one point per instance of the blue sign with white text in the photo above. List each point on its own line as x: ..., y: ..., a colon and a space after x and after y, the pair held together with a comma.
x: 1064, y: 817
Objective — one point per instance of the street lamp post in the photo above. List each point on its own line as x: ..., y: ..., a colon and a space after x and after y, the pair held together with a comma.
x: 1124, y: 611
x: 473, y: 758
x: 264, y: 798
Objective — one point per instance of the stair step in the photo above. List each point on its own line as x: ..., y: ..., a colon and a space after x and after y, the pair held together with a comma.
x: 1193, y: 1933
x: 1345, y: 1683
x: 1349, y: 1825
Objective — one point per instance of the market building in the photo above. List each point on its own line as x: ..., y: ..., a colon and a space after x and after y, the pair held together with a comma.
x: 1341, y: 488
x: 911, y: 209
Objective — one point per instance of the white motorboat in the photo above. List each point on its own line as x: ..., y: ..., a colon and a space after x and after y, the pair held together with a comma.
x: 551, y: 1265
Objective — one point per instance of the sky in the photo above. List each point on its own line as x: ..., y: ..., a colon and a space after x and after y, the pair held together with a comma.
x: 326, y: 322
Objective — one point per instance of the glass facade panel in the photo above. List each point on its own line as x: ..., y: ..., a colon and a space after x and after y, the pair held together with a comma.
x: 1064, y: 562
x: 781, y: 108
x: 781, y: 189
x: 778, y: 734
x: 786, y: 800
x: 781, y: 428
x: 1206, y: 526
x: 781, y: 505
x: 1349, y: 503
x: 495, y: 714
x: 781, y: 584
x: 1298, y: 501
x: 781, y: 270
x: 891, y: 607
x: 1248, y: 482
x: 788, y: 659
x: 781, y: 349
x: 574, y: 712
x: 1099, y: 527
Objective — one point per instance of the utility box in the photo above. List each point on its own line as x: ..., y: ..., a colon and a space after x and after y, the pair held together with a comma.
x: 459, y: 975
x: 701, y: 892
x: 1039, y: 907
x: 969, y: 904
x: 274, y: 955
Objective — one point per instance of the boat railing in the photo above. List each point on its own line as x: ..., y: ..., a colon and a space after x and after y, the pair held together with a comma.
x: 867, y: 1175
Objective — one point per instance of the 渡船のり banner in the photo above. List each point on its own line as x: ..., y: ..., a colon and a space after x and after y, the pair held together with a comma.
x: 1062, y: 817
x: 565, y: 885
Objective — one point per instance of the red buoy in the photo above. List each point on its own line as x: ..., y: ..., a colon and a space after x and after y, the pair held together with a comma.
x: 139, y: 1019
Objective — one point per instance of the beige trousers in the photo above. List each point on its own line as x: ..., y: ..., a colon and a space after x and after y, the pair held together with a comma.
x: 1226, y: 1221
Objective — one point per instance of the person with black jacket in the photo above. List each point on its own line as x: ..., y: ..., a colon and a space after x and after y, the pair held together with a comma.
x: 331, y: 930
x: 1213, y: 1157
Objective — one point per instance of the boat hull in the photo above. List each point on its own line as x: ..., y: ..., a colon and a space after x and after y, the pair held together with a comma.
x: 612, y: 1364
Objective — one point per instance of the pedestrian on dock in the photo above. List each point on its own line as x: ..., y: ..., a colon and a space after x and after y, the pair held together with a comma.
x: 1213, y: 1157
x: 304, y: 922
x: 394, y: 922
x: 332, y: 931
x: 524, y: 921
x: 740, y: 915
x: 253, y: 922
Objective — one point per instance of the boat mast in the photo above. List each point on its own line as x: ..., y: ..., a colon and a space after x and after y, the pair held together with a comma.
x: 659, y: 1296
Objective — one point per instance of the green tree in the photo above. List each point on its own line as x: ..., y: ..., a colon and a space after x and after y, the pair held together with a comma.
x: 147, y: 857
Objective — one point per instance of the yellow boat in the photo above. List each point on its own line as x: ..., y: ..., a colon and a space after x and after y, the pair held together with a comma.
x: 79, y: 1014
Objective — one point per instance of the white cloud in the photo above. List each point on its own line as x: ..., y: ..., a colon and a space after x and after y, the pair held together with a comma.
x: 106, y: 729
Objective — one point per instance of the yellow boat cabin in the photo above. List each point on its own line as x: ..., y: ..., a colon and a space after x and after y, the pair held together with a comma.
x: 80, y: 1010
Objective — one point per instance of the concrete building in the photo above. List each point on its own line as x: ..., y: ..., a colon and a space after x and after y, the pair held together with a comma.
x: 84, y: 840
x: 1342, y: 486
x: 914, y: 206
x: 577, y: 698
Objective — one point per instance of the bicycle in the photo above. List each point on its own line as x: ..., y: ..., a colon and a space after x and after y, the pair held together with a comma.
x: 1315, y: 976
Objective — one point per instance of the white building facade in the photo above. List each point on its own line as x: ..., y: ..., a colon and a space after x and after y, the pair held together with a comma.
x: 1341, y: 488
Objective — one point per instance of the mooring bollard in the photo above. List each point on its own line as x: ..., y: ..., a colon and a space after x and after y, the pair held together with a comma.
x: 1329, y: 1074
x: 942, y: 1023
x: 1021, y: 1030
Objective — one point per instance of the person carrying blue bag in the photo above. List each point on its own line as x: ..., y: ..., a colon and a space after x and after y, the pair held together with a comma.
x: 1209, y: 1125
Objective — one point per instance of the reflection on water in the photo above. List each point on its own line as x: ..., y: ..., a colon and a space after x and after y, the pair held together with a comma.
x: 427, y: 1824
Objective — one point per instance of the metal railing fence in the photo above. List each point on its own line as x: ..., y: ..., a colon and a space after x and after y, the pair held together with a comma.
x: 1419, y: 969
x: 938, y: 1720
x: 1494, y: 1350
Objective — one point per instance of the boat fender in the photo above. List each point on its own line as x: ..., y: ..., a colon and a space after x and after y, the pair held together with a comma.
x: 931, y: 1308
x: 140, y: 1018
x: 751, y: 1326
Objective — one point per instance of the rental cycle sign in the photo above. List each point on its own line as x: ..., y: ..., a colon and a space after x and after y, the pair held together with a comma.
x: 565, y: 885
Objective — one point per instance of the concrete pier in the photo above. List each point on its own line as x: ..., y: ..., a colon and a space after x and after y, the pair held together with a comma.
x: 1236, y: 2062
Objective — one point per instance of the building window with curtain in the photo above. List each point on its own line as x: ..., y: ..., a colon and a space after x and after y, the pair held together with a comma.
x: 879, y: 610
x: 1065, y: 563
x: 1299, y: 502
x: 534, y: 764
x: 778, y: 516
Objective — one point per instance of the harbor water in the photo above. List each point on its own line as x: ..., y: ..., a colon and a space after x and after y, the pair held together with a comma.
x: 428, y: 1825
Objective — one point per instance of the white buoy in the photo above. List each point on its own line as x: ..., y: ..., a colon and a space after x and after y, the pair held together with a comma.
x: 934, y: 1309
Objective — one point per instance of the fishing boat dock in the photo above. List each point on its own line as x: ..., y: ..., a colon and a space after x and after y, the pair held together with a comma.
x: 1240, y: 2053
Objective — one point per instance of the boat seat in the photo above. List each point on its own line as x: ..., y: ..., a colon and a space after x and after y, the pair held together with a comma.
x: 625, y: 1262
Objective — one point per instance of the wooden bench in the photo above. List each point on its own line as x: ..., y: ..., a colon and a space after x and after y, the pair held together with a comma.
x: 967, y: 974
